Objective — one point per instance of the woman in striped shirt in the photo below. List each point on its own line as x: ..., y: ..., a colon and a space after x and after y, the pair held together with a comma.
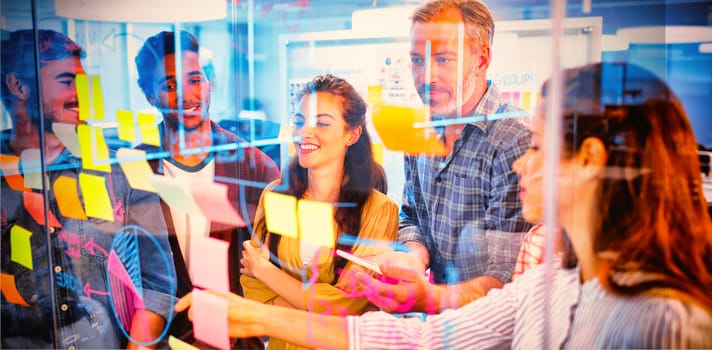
x: 631, y: 204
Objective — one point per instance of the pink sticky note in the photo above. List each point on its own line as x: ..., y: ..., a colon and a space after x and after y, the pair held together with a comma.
x: 212, y: 199
x: 210, y: 319
x: 208, y: 263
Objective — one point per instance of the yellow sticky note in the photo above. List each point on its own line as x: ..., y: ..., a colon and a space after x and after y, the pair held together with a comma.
x: 377, y: 149
x: 526, y: 101
x: 94, y: 149
x: 138, y: 172
x: 126, y: 125
x: 177, y: 344
x: 31, y: 167
x: 396, y: 127
x: 316, y: 222
x: 20, y: 248
x: 11, y: 171
x: 281, y: 213
x: 176, y: 193
x: 9, y: 290
x: 96, y: 198
x: 98, y: 98
x: 149, y: 130
x: 375, y: 94
x: 67, y: 134
x: 82, y: 84
x: 65, y: 191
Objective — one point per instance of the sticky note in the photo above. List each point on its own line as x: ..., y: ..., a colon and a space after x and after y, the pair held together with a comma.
x: 375, y: 94
x: 11, y: 171
x: 20, y: 248
x: 67, y: 135
x: 176, y: 193
x: 149, y: 130
x: 526, y: 101
x: 96, y: 198
x: 95, y: 154
x: 177, y: 344
x: 285, y: 135
x: 209, y: 273
x: 9, y: 290
x: 97, y: 98
x: 138, y: 172
x: 210, y: 319
x: 281, y: 213
x: 377, y: 149
x: 65, y: 192
x: 395, y: 126
x: 316, y: 222
x: 82, y: 83
x: 32, y: 168
x: 126, y: 127
x: 212, y: 199
x: 34, y: 204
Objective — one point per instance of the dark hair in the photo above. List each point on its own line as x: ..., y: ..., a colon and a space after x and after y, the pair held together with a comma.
x: 653, y: 211
x: 153, y: 51
x: 18, y: 56
x: 479, y: 24
x: 361, y: 172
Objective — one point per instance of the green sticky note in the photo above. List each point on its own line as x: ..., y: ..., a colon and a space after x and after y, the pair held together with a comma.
x: 97, y: 97
x: 82, y: 84
x: 316, y: 222
x: 126, y: 125
x: 20, y: 248
x: 281, y: 213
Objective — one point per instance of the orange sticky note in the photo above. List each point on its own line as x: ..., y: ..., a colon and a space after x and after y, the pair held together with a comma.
x: 67, y: 134
x: 34, y: 204
x: 375, y: 94
x: 281, y: 213
x: 209, y: 273
x: 176, y: 193
x: 81, y: 81
x: 31, y: 167
x: 316, y: 222
x: 210, y: 319
x: 96, y: 198
x: 126, y: 128
x: 138, y: 172
x: 9, y: 290
x: 65, y: 191
x: 98, y: 98
x: 377, y: 149
x: 395, y: 126
x: 149, y: 129
x: 95, y: 154
x: 11, y: 171
x: 20, y: 248
x: 212, y: 200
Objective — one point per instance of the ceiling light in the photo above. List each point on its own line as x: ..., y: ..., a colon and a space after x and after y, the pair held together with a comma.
x: 142, y: 11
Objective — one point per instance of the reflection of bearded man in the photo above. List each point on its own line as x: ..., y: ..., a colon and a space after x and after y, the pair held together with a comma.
x: 448, y: 108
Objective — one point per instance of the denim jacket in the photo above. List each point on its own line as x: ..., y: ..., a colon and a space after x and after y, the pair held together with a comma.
x: 77, y: 266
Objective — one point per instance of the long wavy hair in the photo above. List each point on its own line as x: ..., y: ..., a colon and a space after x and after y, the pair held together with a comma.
x: 653, y: 212
x: 361, y: 172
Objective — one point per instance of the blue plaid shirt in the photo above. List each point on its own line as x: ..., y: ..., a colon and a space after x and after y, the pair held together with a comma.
x: 465, y: 207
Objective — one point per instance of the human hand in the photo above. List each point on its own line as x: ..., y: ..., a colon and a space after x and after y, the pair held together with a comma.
x: 406, y: 290
x: 253, y: 258
x: 399, y: 259
x: 243, y: 314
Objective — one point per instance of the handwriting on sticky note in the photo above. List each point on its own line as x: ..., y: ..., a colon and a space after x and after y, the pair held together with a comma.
x: 209, y: 273
x: 11, y: 171
x: 138, y: 172
x: 316, y: 222
x: 67, y: 135
x: 65, y: 192
x: 95, y: 153
x: 176, y: 193
x: 9, y: 290
x: 281, y: 213
x: 395, y: 126
x: 20, y: 248
x: 212, y: 199
x: 210, y: 319
x: 34, y: 204
x: 96, y: 197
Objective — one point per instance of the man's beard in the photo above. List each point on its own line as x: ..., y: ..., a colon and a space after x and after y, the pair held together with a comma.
x: 449, y: 108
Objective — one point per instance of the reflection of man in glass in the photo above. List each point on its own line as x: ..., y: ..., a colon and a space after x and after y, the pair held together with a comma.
x: 63, y: 276
x: 178, y: 86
